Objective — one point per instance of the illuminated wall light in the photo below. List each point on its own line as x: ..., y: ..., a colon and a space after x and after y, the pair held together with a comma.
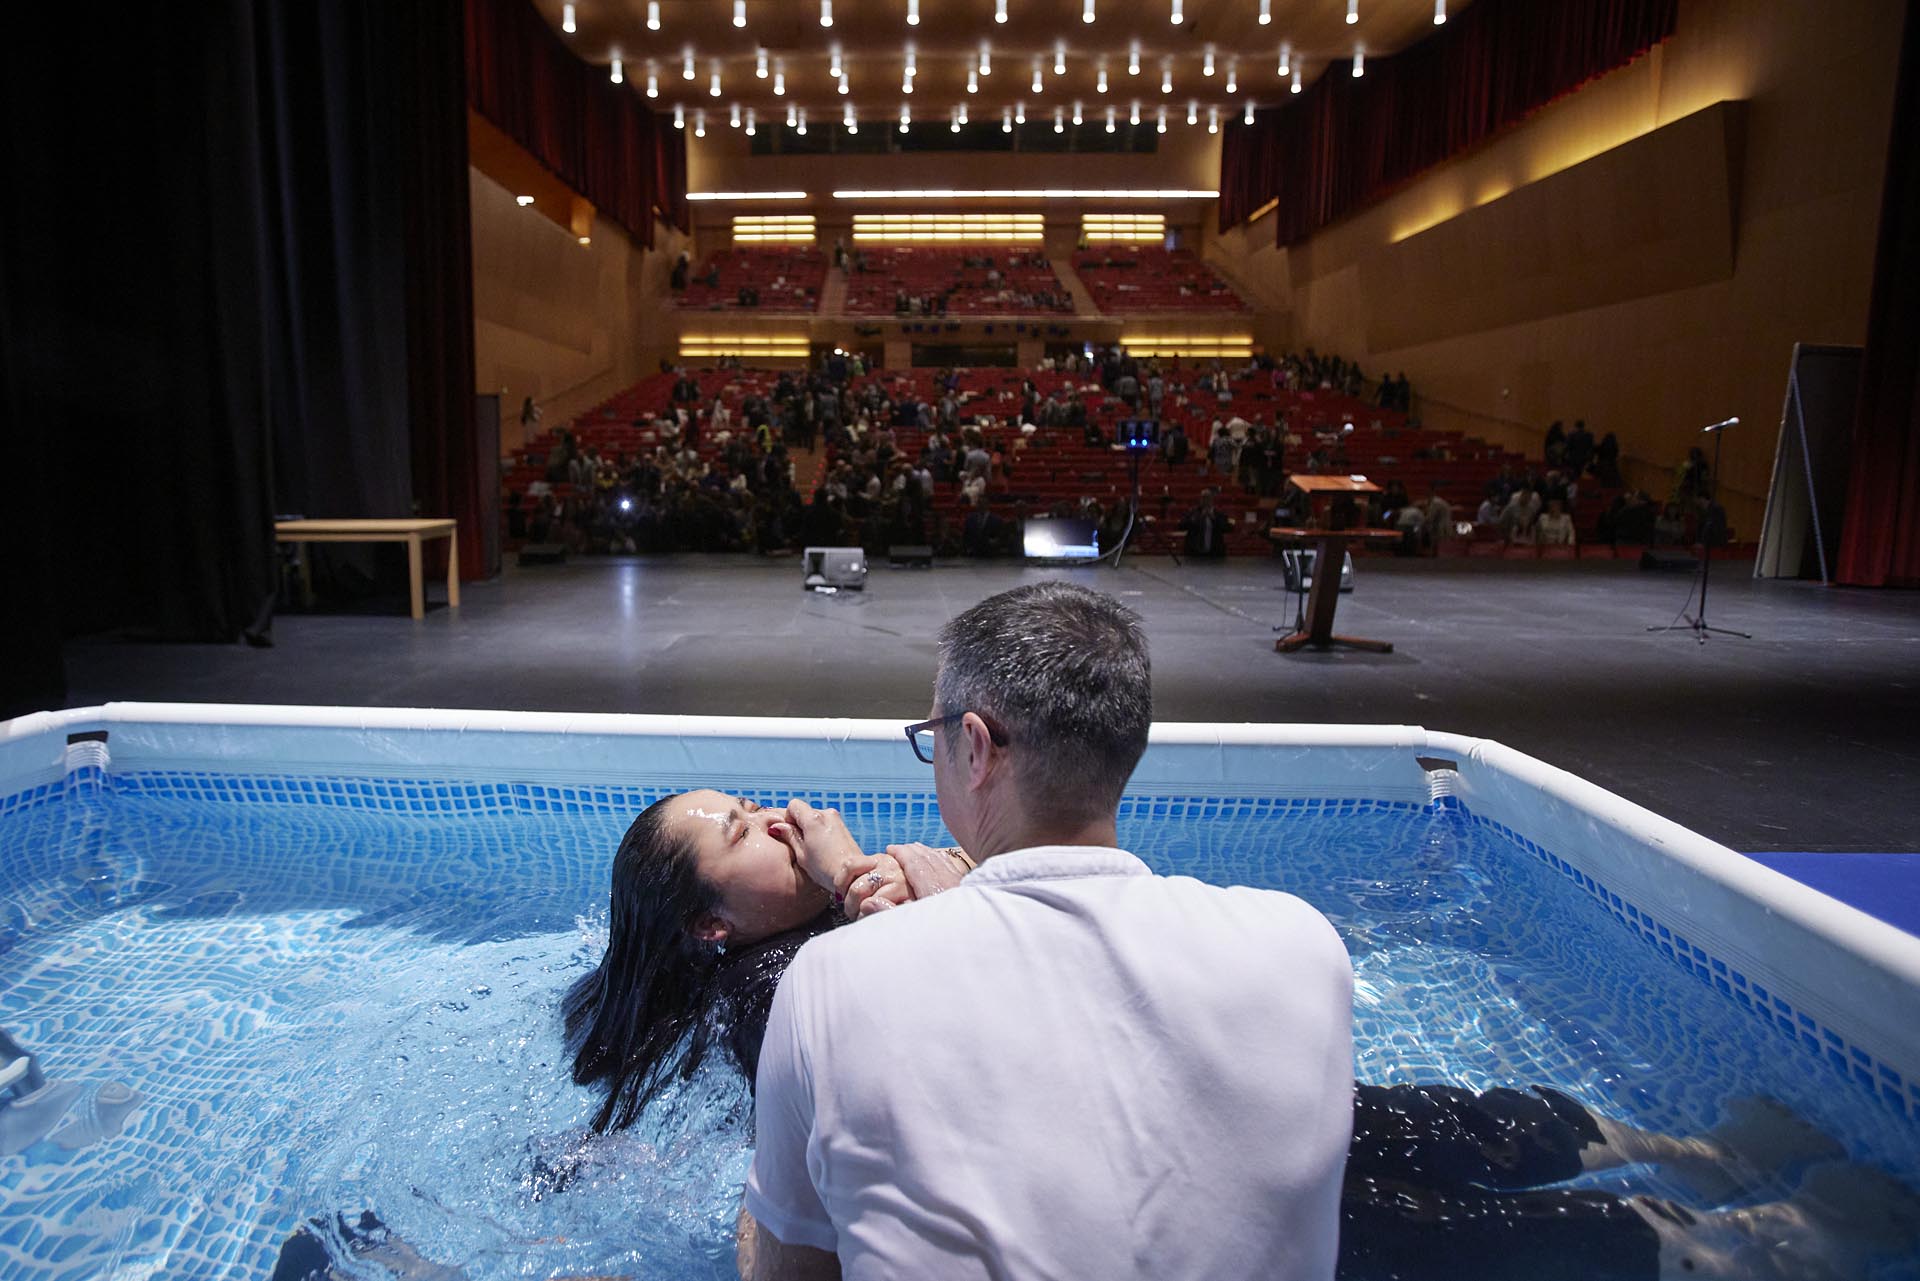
x: 1133, y: 116
x: 1233, y: 76
x: 1353, y: 12
x: 848, y: 120
x: 1006, y: 120
x: 826, y: 13
x: 733, y: 116
x: 913, y: 61
x: 1020, y: 112
x: 906, y: 83
x: 906, y: 118
x: 986, y: 58
x: 653, y: 82
x: 913, y: 13
x: 779, y: 81
x: 1133, y: 58
x: 793, y: 115
x: 1266, y: 12
x: 1076, y: 113
x: 1439, y: 13
x: 619, y: 72
x: 801, y: 128
x: 1166, y: 75
x: 1086, y: 14
x: 1295, y: 87
x: 1206, y: 61
x: 844, y: 86
x: 759, y: 64
x: 750, y: 122
x: 1359, y: 63
x: 963, y: 113
x: 739, y: 13
x: 1286, y: 59
x: 713, y: 82
x: 973, y: 80
x: 523, y: 201
x: 833, y: 64
x: 653, y: 15
x: 586, y: 240
x: 686, y: 63
x: 1060, y: 58
x: 1000, y: 10
x: 1160, y: 123
x: 1213, y: 120
x: 567, y: 24
x: 679, y: 116
x: 1109, y: 119
x: 1249, y: 115
x: 1039, y: 85
x: 1059, y: 121
x: 953, y: 125
x: 700, y: 124
x: 1193, y: 111
x: 1100, y: 82
x: 1178, y: 17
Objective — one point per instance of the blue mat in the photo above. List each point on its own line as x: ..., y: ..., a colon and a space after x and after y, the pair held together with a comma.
x: 1882, y: 885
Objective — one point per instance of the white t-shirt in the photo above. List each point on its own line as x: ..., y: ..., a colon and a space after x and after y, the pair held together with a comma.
x: 1066, y: 1067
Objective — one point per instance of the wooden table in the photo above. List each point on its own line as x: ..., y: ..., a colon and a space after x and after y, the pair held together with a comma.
x: 410, y: 532
x: 1329, y: 558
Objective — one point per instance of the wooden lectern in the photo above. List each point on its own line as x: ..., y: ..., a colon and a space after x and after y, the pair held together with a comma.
x: 1329, y: 556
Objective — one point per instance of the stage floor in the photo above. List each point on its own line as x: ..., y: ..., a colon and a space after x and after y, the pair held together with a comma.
x: 1805, y: 738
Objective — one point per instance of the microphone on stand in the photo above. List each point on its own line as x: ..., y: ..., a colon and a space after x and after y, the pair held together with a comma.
x: 1722, y: 425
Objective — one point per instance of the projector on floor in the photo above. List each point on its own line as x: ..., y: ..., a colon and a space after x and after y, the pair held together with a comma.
x: 832, y: 569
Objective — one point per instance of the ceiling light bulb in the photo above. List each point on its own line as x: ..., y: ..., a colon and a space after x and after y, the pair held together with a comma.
x: 1439, y: 13
x: 953, y: 126
x: 1193, y: 111
x: 906, y: 118
x: 999, y: 10
x: 986, y: 58
x: 1133, y: 58
x: 739, y: 13
x: 1166, y: 76
x: 1039, y: 86
x: 1177, y: 17
x: 826, y: 13
x: 1086, y: 14
x: 653, y: 15
x: 699, y: 124
x: 843, y: 82
x: 713, y: 82
x: 780, y: 83
x: 1133, y: 116
x: 1296, y: 79
x: 1353, y: 11
x: 973, y: 80
x: 567, y: 23
x: 801, y: 128
x: 848, y: 117
x: 793, y: 115
x: 760, y: 64
x: 686, y: 63
x: 1206, y: 62
x: 523, y: 201
x: 1266, y: 12
x: 913, y: 65
x: 1286, y: 57
x: 1076, y: 112
x: 1233, y: 77
x: 733, y: 116
x: 679, y: 116
x: 913, y: 13
x: 1160, y: 121
x: 1213, y: 120
x: 653, y: 83
x: 749, y: 122
x: 906, y: 83
x: 1006, y: 120
x: 619, y: 73
x: 1359, y: 63
x: 963, y: 113
x: 1249, y: 116
x: 833, y: 65
x: 1100, y: 84
x: 1059, y: 123
x: 1019, y: 113
x: 1109, y: 119
x: 1060, y: 58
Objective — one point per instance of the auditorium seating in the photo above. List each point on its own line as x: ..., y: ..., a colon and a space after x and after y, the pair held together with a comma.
x: 1129, y: 278
x: 788, y: 279
x: 945, y: 273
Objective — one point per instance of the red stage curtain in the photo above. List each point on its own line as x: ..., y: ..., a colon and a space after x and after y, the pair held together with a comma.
x: 593, y: 134
x: 1345, y: 142
x: 1880, y: 539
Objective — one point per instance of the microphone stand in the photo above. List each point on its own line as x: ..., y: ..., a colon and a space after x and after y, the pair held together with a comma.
x: 1698, y: 624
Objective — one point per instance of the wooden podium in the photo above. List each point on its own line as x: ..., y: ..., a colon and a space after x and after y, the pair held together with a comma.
x: 1330, y: 554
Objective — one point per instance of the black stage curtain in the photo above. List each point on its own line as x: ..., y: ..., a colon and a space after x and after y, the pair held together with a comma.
x: 594, y: 135
x: 1345, y: 142
x: 1880, y: 540
x: 234, y: 241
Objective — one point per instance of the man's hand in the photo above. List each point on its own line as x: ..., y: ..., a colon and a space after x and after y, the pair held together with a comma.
x: 825, y: 848
x: 928, y: 870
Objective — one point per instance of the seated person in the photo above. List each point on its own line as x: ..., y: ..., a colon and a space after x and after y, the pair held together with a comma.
x: 1206, y: 528
x: 1555, y: 527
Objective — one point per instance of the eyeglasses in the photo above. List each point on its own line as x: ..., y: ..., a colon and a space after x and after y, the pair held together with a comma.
x: 921, y: 736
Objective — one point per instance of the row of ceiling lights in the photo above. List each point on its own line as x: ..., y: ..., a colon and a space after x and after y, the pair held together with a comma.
x: 569, y: 24
x: 1009, y: 117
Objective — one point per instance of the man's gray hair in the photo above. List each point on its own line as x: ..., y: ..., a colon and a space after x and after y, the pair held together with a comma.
x: 1064, y: 671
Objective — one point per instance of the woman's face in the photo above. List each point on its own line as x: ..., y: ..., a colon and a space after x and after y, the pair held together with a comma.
x: 740, y: 852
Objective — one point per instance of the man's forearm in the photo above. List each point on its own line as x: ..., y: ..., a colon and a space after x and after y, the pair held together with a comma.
x: 762, y: 1256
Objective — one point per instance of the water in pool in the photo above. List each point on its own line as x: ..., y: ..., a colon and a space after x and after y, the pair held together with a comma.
x: 329, y: 1011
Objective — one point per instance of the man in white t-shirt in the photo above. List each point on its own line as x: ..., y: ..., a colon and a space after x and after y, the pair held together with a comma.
x: 1067, y: 1066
